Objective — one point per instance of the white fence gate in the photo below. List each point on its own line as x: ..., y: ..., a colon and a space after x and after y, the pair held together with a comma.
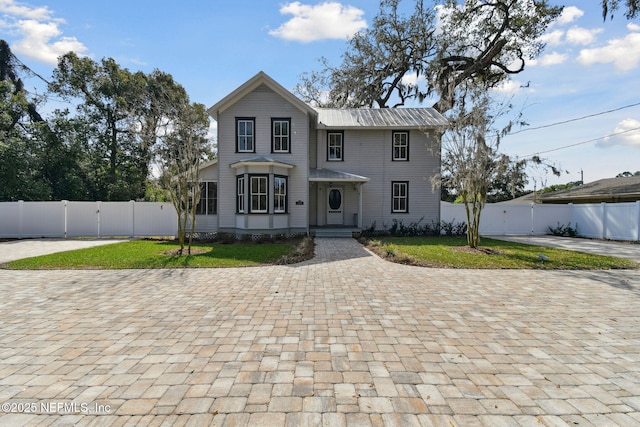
x: 615, y: 221
x: 87, y: 219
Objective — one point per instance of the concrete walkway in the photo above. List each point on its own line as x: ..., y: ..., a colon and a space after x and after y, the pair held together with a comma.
x: 628, y: 250
x: 346, y: 339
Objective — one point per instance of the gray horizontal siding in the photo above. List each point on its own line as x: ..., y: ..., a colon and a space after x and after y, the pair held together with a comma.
x: 368, y: 153
x: 263, y: 104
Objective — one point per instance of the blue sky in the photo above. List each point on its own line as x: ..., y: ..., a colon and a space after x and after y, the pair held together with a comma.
x: 588, y: 67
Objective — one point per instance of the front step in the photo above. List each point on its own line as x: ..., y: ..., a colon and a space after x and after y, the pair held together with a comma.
x: 333, y: 232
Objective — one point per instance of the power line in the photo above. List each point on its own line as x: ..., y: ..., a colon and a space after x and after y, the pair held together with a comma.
x: 575, y: 119
x: 582, y: 143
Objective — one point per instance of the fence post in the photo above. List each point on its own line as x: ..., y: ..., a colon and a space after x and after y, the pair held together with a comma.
x: 20, y: 218
x: 98, y: 206
x: 132, y: 203
x: 571, y: 217
x: 66, y: 219
x: 604, y: 220
x: 638, y: 220
x: 533, y: 220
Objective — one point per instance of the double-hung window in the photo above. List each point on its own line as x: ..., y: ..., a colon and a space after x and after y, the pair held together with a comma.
x: 400, y: 146
x: 279, y: 194
x: 245, y: 135
x: 259, y: 193
x: 208, y: 204
x: 240, y: 185
x: 281, y: 135
x: 335, y: 146
x: 400, y: 196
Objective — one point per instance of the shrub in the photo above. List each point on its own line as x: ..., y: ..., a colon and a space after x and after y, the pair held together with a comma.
x: 390, y: 251
x: 564, y: 230
x: 303, y: 251
x: 226, y: 238
x: 452, y: 228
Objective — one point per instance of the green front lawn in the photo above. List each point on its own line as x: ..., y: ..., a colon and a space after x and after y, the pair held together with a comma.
x: 156, y: 254
x: 453, y: 252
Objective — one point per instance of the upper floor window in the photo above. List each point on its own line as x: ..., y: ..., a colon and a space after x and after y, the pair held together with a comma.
x: 208, y: 204
x: 399, y: 196
x: 335, y: 146
x: 400, y: 146
x: 281, y: 135
x: 245, y: 135
x: 279, y: 194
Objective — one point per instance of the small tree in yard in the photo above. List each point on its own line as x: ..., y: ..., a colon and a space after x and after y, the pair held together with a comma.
x: 180, y: 156
x: 471, y: 160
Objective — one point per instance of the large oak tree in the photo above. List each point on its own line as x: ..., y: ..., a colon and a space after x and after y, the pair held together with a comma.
x: 431, y: 52
x: 610, y: 6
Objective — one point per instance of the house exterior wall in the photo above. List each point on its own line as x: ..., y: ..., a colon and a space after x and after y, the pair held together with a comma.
x: 208, y: 223
x: 263, y: 104
x: 369, y: 153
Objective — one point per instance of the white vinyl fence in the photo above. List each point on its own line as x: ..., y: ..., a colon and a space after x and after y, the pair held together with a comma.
x: 87, y: 219
x: 615, y: 221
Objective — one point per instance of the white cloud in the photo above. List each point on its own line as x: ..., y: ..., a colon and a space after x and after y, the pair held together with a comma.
x: 38, y: 32
x: 582, y: 36
x: 508, y: 87
x: 629, y: 135
x: 553, y: 38
x: 553, y: 58
x: 633, y: 27
x: 10, y: 7
x: 569, y: 14
x: 37, y: 42
x: 412, y: 79
x: 624, y: 53
x: 329, y: 20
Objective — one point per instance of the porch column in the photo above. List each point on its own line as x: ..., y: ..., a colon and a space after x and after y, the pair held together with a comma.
x: 360, y: 206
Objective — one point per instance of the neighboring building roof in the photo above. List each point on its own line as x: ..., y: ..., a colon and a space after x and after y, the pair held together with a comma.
x: 250, y: 85
x: 390, y: 118
x: 625, y: 189
x: 610, y: 190
x: 328, y: 175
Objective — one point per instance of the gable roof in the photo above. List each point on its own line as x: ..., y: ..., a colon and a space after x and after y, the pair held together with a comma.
x: 250, y: 85
x: 389, y: 118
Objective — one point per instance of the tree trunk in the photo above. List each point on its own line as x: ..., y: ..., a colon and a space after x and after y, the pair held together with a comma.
x: 473, y: 210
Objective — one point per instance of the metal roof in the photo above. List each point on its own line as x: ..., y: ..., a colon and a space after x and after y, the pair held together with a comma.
x: 390, y: 118
x: 336, y: 176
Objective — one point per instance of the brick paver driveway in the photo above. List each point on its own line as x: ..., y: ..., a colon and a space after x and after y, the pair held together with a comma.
x: 344, y: 339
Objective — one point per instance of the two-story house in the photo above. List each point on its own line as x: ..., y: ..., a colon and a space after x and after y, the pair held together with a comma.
x: 286, y: 167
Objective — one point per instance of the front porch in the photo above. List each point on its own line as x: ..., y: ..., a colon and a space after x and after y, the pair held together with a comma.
x: 335, y: 200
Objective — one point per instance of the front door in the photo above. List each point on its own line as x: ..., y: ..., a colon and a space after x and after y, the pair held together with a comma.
x: 335, y: 206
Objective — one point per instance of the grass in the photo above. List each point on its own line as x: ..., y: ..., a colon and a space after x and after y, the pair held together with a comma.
x: 453, y: 252
x: 144, y: 254
x: 442, y: 252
